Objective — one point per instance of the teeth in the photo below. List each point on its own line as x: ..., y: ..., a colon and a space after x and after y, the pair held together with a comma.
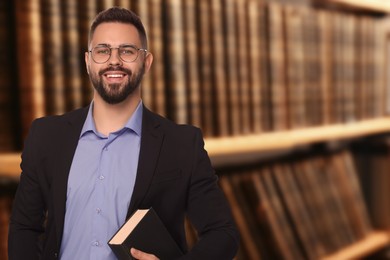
x: 114, y: 75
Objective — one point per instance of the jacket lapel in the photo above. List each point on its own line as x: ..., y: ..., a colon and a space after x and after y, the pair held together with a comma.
x: 151, y: 141
x: 69, y: 134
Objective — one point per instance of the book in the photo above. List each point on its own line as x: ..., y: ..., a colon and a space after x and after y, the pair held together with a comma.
x: 233, y: 84
x: 277, y: 72
x: 296, y: 208
x: 243, y: 65
x: 144, y: 231
x: 256, y: 49
x: 192, y: 63
x: 52, y: 60
x: 205, y: 68
x: 157, y: 46
x: 245, y: 221
x: 285, y: 237
x: 30, y: 66
x: 147, y: 84
x: 350, y: 194
x: 9, y: 130
x: 86, y: 11
x: 371, y: 160
x: 71, y: 53
x: 175, y: 70
x: 218, y: 61
x: 295, y: 71
x: 325, y: 64
x: 311, y: 63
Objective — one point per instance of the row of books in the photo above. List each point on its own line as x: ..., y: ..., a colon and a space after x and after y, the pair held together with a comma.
x: 7, y: 191
x: 372, y: 157
x: 231, y: 67
x: 302, y: 207
x: 236, y: 67
x: 306, y: 208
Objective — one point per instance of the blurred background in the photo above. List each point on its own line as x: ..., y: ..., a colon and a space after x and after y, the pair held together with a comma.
x: 292, y: 97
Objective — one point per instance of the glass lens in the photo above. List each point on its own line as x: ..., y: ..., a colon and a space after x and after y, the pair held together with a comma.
x: 128, y: 53
x: 101, y: 54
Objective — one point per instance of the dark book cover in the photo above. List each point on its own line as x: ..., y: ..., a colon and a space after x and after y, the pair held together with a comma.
x: 144, y: 231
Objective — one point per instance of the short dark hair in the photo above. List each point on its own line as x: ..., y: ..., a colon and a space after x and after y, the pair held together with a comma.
x: 119, y: 15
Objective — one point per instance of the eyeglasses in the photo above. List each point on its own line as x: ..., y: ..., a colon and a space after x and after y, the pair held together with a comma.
x: 127, y: 53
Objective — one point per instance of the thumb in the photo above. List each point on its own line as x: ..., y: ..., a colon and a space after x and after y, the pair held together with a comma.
x: 135, y: 252
x: 138, y: 254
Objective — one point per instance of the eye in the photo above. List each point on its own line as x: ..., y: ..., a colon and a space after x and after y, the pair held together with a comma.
x: 102, y: 51
x: 128, y: 51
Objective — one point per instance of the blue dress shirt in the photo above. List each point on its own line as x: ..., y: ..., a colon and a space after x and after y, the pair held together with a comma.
x: 100, y: 186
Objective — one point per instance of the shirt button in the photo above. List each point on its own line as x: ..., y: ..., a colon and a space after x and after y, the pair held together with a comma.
x: 101, y: 177
x: 98, y: 210
x: 96, y: 243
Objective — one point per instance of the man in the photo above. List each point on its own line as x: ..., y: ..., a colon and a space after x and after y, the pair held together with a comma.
x: 84, y: 173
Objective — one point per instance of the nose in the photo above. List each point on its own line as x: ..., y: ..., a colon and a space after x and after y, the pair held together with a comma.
x: 115, y: 60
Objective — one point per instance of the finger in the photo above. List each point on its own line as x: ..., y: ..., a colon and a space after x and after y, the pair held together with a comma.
x: 142, y: 255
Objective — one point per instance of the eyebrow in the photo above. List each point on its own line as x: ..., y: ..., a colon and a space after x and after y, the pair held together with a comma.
x: 122, y: 45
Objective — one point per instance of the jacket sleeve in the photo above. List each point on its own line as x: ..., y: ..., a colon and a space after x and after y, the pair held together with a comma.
x: 28, y: 211
x: 209, y: 211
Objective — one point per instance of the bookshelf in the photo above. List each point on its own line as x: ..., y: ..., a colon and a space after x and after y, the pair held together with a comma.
x: 367, y: 5
x: 221, y: 150
x: 370, y: 244
x: 10, y: 165
x: 211, y: 87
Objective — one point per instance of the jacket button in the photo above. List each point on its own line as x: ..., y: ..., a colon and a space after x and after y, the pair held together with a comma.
x: 55, y: 255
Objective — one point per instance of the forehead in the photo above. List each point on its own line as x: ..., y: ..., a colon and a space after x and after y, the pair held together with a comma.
x: 115, y: 34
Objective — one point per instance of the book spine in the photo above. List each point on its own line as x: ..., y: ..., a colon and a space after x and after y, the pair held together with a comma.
x: 156, y: 44
x: 86, y: 12
x: 30, y: 65
x: 277, y: 67
x: 311, y: 67
x: 296, y: 96
x: 277, y: 216
x: 256, y: 55
x: 147, y: 87
x: 205, y: 68
x: 71, y: 55
x: 52, y: 57
x: 242, y: 61
x: 175, y: 69
x: 218, y: 68
x: 231, y: 67
x: 192, y: 61
x: 9, y: 128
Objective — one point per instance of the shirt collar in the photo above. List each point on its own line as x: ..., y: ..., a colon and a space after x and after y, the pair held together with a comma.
x: 134, y: 123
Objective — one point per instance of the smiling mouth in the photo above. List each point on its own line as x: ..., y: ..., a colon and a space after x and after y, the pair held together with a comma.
x: 115, y: 75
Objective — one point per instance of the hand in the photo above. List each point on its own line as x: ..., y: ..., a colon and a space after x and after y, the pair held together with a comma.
x: 137, y: 254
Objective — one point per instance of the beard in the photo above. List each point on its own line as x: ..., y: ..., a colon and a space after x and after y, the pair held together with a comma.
x: 115, y: 93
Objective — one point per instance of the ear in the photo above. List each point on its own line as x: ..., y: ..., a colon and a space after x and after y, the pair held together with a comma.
x: 148, y: 61
x: 86, y: 58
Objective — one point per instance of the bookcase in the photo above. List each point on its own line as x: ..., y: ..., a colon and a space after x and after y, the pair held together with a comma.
x: 274, y: 85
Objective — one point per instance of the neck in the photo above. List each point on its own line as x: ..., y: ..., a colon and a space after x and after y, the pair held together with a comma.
x: 110, y: 118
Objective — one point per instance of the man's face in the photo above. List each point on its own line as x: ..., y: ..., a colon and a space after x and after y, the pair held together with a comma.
x: 115, y: 80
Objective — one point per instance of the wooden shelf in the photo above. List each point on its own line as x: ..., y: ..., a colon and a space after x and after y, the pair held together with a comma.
x: 275, y: 141
x: 379, y: 6
x: 372, y: 243
x: 232, y: 148
x: 9, y: 165
x: 220, y: 149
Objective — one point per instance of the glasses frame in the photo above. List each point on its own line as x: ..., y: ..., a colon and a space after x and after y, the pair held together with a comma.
x: 119, y: 55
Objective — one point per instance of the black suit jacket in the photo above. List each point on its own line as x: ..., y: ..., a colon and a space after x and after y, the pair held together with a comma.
x: 174, y: 177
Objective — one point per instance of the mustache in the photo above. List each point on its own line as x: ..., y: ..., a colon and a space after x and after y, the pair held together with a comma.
x: 127, y: 71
